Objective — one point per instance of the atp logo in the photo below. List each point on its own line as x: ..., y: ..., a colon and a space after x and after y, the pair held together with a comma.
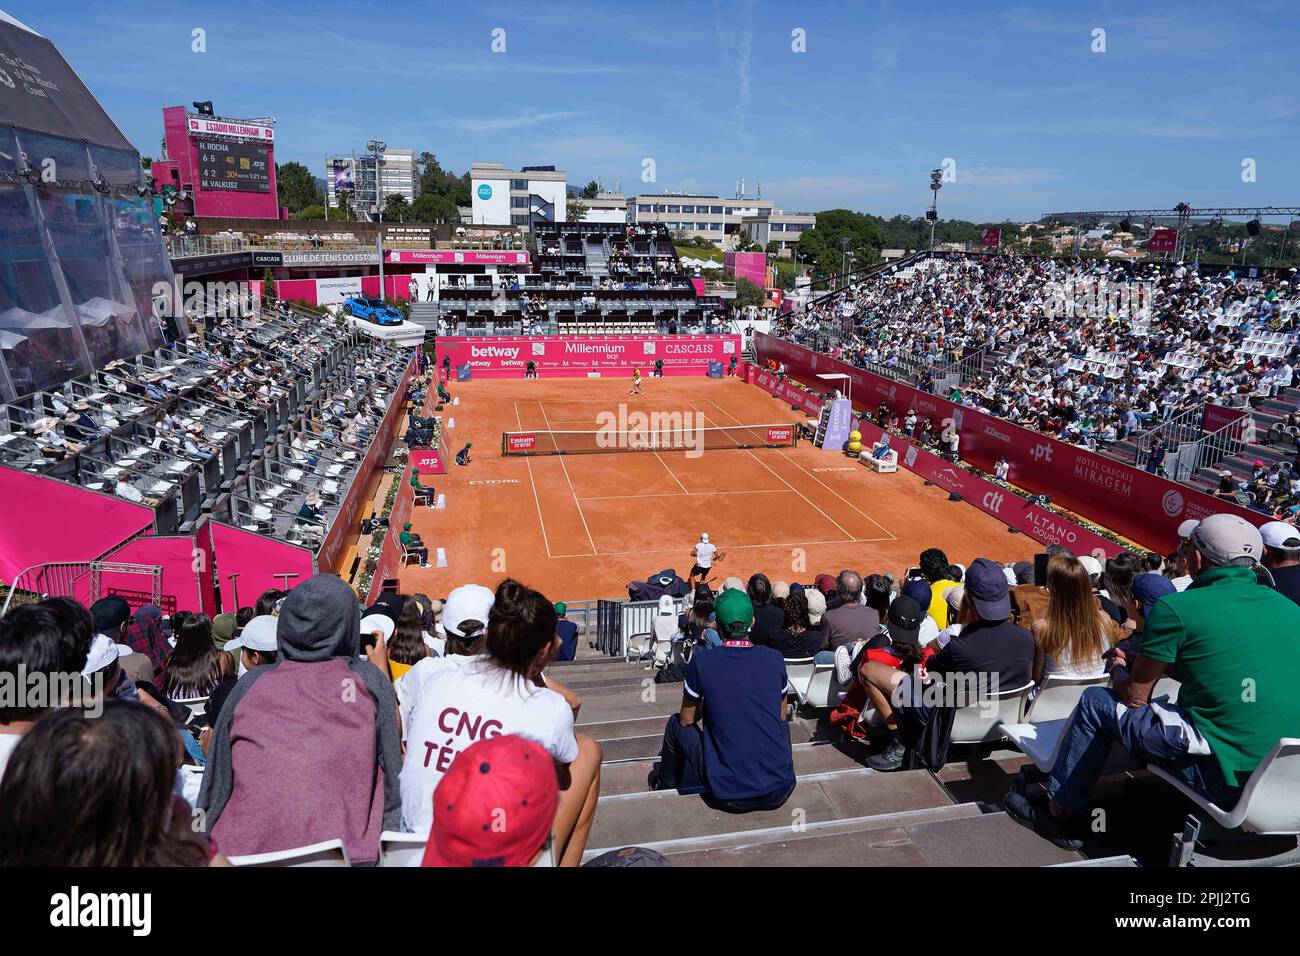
x: 993, y: 501
x: 4, y: 78
x: 1172, y: 502
x: 1041, y: 453
x: 910, y: 458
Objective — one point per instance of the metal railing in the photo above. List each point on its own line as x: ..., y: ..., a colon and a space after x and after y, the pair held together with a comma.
x: 75, y: 579
x: 1177, y: 431
x: 1209, y: 450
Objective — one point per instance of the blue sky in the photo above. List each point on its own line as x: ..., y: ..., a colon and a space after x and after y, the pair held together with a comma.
x: 1034, y: 120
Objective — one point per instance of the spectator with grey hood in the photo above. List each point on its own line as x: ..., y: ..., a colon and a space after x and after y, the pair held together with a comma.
x: 308, y: 748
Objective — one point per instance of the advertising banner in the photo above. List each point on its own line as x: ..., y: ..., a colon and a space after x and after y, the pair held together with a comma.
x: 1044, y: 526
x: 1132, y: 502
x: 1163, y: 240
x: 1216, y: 417
x: 248, y: 562
x: 991, y: 237
x: 508, y: 356
x: 204, y: 126
x: 455, y: 257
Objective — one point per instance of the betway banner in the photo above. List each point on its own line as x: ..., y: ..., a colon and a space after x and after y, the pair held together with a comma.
x: 1132, y: 502
x: 508, y: 356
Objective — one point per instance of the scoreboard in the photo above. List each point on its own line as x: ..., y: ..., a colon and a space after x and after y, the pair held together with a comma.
x: 232, y: 165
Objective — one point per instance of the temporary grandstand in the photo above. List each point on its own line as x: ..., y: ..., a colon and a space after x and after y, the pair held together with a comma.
x: 587, y: 279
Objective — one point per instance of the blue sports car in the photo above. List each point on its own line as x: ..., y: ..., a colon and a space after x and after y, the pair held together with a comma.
x: 372, y: 310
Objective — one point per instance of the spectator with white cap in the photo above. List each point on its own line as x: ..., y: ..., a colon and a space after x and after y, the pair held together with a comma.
x: 1222, y: 634
x: 1282, y: 557
x: 255, y: 644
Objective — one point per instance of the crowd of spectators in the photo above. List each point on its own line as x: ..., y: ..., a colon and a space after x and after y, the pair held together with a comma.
x: 1088, y: 352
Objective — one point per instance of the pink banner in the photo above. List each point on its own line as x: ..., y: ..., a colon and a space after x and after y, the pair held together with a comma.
x: 507, y: 356
x: 256, y: 560
x: 1042, y: 525
x: 991, y: 237
x: 1216, y: 417
x: 43, y: 521
x: 746, y: 265
x: 1131, y: 502
x: 186, y: 574
x: 430, y: 461
x: 456, y: 257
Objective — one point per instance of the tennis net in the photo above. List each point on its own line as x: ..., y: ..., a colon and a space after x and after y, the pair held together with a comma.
x: 668, y: 437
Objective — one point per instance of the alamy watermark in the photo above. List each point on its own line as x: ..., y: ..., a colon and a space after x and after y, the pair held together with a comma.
x: 651, y: 431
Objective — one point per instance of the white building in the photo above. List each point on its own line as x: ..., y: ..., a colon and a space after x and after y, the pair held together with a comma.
x: 720, y: 220
x: 506, y: 197
x: 399, y: 174
x: 605, y: 207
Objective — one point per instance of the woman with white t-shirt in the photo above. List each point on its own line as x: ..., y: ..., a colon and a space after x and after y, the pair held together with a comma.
x: 1069, y: 642
x: 502, y: 691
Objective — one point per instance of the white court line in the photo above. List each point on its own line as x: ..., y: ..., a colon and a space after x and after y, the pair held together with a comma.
x: 533, y: 483
x: 728, y: 549
x: 788, y: 485
x: 671, y: 474
x: 690, y: 494
x: 814, y: 477
x: 565, y: 468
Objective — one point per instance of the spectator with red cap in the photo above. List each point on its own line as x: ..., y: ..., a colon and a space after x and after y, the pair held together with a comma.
x: 503, y: 691
x: 495, y: 806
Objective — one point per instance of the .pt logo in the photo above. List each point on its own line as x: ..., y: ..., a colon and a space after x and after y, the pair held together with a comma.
x: 1041, y: 453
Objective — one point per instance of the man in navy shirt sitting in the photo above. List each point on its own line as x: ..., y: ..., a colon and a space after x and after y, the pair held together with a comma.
x: 567, y: 632
x: 731, y: 734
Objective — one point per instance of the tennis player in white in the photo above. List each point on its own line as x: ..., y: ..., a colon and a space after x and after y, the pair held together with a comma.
x: 703, y: 555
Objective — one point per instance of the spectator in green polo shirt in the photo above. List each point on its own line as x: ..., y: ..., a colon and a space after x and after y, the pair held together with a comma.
x: 421, y: 493
x: 412, y: 543
x: 1235, y: 645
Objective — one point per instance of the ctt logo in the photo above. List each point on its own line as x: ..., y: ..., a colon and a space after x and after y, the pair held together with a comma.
x: 993, y: 501
x: 1172, y: 502
x: 1041, y: 453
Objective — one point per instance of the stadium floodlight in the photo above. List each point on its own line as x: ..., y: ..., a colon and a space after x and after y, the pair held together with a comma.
x: 936, y: 183
x: 204, y: 107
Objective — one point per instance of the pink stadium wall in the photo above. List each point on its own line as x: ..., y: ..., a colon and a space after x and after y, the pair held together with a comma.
x: 1138, y: 505
x: 44, y: 521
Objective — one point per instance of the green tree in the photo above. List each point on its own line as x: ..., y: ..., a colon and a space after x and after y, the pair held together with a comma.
x: 825, y: 245
x: 429, y: 207
x: 396, y: 208
x: 575, y: 209
x: 590, y: 190
x: 296, y: 187
x: 313, y: 213
x: 746, y: 244
x: 747, y: 293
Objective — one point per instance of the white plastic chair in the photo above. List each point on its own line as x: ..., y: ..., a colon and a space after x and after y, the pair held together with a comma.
x: 798, y: 673
x: 325, y: 853
x: 1268, y: 803
x: 979, y: 722
x: 638, y: 646
x: 1057, y: 698
x: 198, y: 706
x: 401, y: 849
x: 824, y: 690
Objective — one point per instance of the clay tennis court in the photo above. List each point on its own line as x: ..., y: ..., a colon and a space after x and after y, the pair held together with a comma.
x: 580, y: 526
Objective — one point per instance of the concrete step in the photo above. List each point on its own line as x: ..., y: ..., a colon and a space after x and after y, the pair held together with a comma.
x: 650, y: 817
x: 630, y: 776
x: 947, y: 836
